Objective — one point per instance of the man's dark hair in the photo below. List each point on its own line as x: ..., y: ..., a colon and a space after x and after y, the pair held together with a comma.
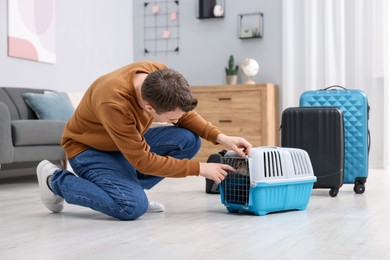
x: 167, y: 90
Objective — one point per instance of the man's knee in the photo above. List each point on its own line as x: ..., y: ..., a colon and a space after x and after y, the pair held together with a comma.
x: 191, y: 138
x: 134, y: 209
x: 197, y: 143
x: 190, y: 143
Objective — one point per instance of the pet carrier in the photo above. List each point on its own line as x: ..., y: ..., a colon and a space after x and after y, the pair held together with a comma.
x: 270, y: 179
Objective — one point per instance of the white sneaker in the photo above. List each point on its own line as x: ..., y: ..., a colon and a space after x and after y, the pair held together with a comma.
x: 155, y: 207
x: 53, y: 202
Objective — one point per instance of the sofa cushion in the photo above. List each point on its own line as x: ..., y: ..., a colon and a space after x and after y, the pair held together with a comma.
x: 35, y: 132
x: 50, y: 105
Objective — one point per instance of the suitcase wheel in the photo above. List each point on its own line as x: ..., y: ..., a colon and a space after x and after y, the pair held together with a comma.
x: 333, y: 192
x: 359, y: 188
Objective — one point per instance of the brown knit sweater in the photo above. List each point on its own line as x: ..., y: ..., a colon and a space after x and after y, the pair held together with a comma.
x: 109, y: 118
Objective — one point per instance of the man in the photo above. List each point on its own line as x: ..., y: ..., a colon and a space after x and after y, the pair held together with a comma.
x: 114, y: 152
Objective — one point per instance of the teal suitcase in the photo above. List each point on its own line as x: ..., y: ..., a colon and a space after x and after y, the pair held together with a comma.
x: 354, y: 104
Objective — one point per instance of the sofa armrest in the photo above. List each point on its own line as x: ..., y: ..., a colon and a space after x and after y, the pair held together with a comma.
x: 6, y: 145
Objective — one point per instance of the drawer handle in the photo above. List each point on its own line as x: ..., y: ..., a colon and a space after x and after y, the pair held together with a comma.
x: 226, y: 121
x: 224, y: 98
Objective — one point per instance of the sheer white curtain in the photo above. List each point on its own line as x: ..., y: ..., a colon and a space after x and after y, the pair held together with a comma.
x: 338, y: 42
x: 386, y: 80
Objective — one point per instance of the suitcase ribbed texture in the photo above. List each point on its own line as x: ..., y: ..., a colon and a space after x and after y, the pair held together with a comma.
x: 320, y: 132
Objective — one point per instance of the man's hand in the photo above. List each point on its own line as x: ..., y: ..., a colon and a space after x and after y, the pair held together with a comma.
x: 238, y: 144
x: 215, y: 171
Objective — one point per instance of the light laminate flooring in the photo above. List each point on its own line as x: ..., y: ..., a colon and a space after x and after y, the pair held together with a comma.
x: 196, y: 225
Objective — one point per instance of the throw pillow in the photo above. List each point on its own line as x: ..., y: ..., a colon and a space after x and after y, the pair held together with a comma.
x: 50, y: 106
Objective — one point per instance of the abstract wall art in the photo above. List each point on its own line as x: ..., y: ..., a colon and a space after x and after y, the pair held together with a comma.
x: 31, y: 30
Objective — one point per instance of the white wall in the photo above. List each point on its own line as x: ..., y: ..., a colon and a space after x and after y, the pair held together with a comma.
x: 205, y: 45
x: 92, y: 38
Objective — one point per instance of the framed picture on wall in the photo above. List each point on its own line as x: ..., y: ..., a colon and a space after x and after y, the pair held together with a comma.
x: 31, y: 30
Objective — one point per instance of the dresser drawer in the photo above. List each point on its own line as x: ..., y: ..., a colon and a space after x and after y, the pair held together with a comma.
x: 228, y: 101
x: 249, y: 111
x: 235, y: 123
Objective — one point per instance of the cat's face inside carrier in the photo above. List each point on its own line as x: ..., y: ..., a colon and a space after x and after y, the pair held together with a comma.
x: 236, y: 184
x: 242, y: 167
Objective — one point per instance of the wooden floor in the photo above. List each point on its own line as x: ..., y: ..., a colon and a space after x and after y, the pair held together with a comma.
x: 197, y: 226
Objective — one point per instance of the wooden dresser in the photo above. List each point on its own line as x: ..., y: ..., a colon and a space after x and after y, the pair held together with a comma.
x: 250, y: 111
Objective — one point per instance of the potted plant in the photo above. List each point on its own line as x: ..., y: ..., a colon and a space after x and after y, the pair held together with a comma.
x: 231, y: 71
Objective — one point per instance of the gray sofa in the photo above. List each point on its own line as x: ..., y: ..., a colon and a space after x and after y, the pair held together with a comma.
x: 25, y: 139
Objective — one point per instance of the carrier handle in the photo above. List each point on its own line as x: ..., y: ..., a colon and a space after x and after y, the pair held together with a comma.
x: 334, y: 86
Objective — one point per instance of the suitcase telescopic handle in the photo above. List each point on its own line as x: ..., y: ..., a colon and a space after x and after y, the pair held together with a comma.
x: 334, y: 87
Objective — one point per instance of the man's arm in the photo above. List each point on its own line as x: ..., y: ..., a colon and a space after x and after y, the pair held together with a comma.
x: 196, y: 123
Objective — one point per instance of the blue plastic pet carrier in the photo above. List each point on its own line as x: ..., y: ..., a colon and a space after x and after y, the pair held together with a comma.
x: 271, y: 179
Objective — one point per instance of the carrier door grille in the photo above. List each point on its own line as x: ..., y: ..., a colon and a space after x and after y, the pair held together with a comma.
x: 236, y: 184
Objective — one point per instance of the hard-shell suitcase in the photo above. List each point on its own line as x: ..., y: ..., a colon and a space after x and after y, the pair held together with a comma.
x: 320, y: 132
x: 355, y: 109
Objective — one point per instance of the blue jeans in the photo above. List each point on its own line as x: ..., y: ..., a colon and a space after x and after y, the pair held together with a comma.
x: 108, y: 183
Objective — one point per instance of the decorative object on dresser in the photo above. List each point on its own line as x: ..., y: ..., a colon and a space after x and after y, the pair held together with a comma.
x: 250, y: 111
x: 231, y: 71
x: 249, y: 68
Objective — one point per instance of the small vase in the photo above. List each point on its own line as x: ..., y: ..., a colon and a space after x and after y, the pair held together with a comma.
x: 231, y: 80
